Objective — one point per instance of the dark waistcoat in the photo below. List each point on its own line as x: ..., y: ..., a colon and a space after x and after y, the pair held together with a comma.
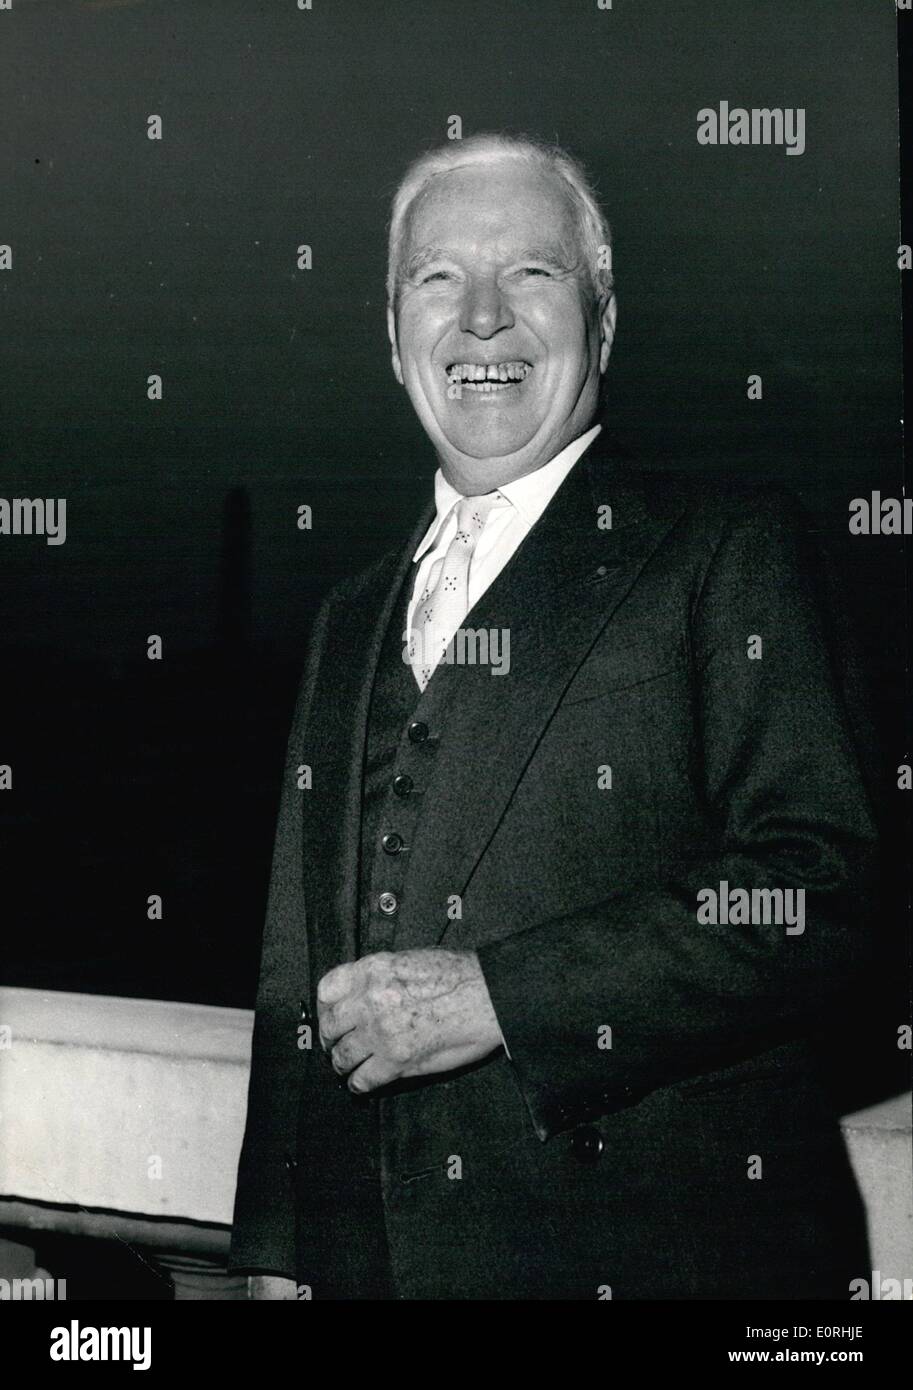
x: 402, y: 741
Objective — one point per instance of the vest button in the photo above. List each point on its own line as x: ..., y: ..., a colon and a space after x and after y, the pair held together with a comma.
x: 388, y: 903
x: 418, y: 731
x: 392, y: 843
x: 402, y: 784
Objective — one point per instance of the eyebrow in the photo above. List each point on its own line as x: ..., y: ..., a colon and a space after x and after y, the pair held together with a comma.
x: 546, y: 255
x: 421, y: 258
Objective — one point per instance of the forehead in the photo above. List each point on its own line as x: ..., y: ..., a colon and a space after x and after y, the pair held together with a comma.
x: 501, y: 204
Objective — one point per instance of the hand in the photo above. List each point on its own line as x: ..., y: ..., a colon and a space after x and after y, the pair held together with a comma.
x: 271, y: 1286
x: 405, y: 1013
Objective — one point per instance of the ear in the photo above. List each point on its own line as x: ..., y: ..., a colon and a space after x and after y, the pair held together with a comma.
x: 391, y: 334
x: 608, y: 309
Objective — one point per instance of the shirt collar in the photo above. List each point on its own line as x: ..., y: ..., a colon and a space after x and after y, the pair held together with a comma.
x: 529, y: 495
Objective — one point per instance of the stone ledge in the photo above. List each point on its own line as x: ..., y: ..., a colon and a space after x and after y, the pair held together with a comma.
x: 125, y: 1105
x: 99, y: 1093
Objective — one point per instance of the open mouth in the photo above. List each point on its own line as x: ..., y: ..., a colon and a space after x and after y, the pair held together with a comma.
x: 488, y: 377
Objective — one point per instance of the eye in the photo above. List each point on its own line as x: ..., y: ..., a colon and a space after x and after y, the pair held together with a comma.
x: 436, y: 275
x: 535, y: 270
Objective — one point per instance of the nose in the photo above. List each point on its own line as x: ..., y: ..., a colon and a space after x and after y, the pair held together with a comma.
x: 484, y: 310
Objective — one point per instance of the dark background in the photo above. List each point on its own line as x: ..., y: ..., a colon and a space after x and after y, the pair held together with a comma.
x: 133, y: 256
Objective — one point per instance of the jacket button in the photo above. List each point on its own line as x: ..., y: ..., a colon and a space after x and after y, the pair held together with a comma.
x: 417, y: 731
x: 388, y: 903
x: 587, y: 1145
x: 290, y: 1163
x: 402, y: 784
x: 392, y: 843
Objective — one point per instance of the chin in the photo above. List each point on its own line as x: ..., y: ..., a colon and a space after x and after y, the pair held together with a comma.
x: 485, y: 443
x: 487, y: 448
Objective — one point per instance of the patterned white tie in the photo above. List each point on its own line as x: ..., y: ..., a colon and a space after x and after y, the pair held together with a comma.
x: 445, y: 602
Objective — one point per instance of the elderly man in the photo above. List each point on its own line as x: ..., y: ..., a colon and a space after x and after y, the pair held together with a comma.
x: 547, y: 935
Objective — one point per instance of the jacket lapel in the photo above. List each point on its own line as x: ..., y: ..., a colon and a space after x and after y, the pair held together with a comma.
x: 555, y: 596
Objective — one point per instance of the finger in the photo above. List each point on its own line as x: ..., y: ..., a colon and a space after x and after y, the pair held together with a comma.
x: 336, y: 1019
x: 337, y: 983
x: 372, y: 1074
x: 350, y: 1052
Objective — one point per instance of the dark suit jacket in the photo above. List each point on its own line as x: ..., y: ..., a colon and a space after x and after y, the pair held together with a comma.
x: 697, y: 1157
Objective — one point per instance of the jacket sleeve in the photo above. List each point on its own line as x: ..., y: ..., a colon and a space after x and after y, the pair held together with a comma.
x: 263, y: 1232
x: 785, y: 808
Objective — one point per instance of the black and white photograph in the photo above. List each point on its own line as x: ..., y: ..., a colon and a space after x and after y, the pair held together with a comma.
x: 456, y: 762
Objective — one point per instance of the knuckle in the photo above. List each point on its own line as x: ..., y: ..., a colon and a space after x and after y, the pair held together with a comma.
x: 377, y: 996
x: 386, y: 1025
x: 377, y: 967
x: 325, y: 987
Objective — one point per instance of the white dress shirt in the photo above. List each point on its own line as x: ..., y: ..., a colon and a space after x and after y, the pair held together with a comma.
x: 510, y: 522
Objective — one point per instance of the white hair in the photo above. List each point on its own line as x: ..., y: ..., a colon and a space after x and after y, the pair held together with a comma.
x: 593, y: 231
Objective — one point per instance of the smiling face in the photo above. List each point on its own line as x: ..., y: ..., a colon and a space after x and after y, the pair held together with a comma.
x: 497, y: 336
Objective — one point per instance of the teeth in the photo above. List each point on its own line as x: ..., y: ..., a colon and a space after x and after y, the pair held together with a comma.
x: 478, y: 372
